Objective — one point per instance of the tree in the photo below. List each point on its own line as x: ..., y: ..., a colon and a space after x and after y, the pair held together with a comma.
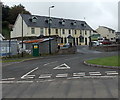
x: 5, y: 12
x: 15, y: 11
x: 9, y: 15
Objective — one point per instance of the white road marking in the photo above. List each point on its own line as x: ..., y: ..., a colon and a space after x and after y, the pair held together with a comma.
x: 61, y: 75
x: 2, y: 82
x: 50, y: 63
x: 99, y: 76
x: 24, y: 81
x: 74, y: 77
x: 62, y: 66
x: 79, y: 74
x: 8, y: 79
x: 111, y: 72
x: 95, y: 73
x: 50, y: 80
x: 27, y: 74
x: 91, y: 77
x: 45, y: 76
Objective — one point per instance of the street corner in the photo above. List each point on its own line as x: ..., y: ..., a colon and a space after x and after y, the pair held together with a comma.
x: 101, y: 66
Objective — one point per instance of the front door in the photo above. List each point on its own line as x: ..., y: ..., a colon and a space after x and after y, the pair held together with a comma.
x: 85, y: 41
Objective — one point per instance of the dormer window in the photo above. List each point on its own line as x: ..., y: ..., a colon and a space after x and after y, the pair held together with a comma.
x: 62, y: 22
x: 33, y: 19
x: 73, y: 23
x: 83, y: 25
x: 48, y: 20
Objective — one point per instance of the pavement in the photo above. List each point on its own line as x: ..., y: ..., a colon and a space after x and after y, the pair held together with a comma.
x: 60, y: 76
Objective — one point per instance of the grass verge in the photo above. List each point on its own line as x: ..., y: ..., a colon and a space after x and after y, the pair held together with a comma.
x: 106, y: 61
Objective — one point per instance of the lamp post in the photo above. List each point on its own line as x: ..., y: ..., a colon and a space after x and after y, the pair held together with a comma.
x: 22, y: 35
x: 49, y: 30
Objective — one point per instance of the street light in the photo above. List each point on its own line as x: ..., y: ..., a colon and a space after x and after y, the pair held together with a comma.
x: 22, y: 35
x: 49, y: 30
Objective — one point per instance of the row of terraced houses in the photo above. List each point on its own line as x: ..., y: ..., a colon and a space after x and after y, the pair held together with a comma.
x: 66, y: 30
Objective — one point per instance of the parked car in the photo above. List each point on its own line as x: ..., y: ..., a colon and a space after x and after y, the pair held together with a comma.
x: 106, y: 42
x: 64, y: 46
x: 95, y: 43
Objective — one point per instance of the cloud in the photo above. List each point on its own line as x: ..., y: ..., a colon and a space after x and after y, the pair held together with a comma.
x: 96, y: 12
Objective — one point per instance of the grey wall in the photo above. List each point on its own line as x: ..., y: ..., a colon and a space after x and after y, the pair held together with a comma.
x: 44, y: 47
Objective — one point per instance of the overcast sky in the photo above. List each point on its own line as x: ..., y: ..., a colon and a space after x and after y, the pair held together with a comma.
x: 96, y: 12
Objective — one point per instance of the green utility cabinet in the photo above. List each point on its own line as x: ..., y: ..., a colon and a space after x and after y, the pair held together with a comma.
x: 35, y: 50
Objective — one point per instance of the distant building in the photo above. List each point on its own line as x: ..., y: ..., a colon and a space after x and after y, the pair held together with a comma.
x: 118, y: 35
x: 107, y: 33
x: 95, y: 36
x: 66, y: 30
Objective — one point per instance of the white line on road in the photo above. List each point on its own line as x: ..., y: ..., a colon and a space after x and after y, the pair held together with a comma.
x: 2, y: 82
x: 94, y: 73
x: 73, y: 78
x: 8, y: 79
x: 79, y: 74
x: 111, y: 72
x: 61, y: 75
x: 62, y: 66
x: 24, y: 81
x: 91, y: 77
x: 50, y: 63
x: 50, y: 80
x: 26, y: 75
x: 99, y: 76
x: 45, y: 76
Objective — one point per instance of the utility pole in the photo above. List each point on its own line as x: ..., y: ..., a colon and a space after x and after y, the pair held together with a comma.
x: 22, y: 35
x: 50, y: 30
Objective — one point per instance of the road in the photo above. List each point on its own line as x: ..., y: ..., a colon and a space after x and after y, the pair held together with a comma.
x: 60, y: 76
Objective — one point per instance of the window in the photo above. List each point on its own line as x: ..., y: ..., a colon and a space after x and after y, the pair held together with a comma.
x: 61, y: 40
x: 46, y: 31
x: 56, y: 31
x: 75, y: 32
x: 33, y: 30
x: 63, y: 31
x: 85, y: 32
x: 69, y: 31
x: 80, y: 32
x: 90, y: 32
x: 65, y: 40
x: 41, y: 31
x: 81, y: 39
x: 112, y: 31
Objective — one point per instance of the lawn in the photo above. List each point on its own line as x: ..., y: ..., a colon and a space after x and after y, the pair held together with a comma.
x: 107, y: 61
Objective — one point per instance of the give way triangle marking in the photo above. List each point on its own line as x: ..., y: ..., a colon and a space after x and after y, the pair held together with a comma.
x: 62, y: 66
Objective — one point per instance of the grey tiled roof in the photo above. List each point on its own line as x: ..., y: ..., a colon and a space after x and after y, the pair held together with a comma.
x: 108, y: 28
x: 55, y: 22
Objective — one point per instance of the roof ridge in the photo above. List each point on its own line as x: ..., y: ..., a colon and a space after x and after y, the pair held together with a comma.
x: 55, y: 17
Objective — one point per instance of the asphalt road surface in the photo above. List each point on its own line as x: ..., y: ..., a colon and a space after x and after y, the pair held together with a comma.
x: 60, y: 76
